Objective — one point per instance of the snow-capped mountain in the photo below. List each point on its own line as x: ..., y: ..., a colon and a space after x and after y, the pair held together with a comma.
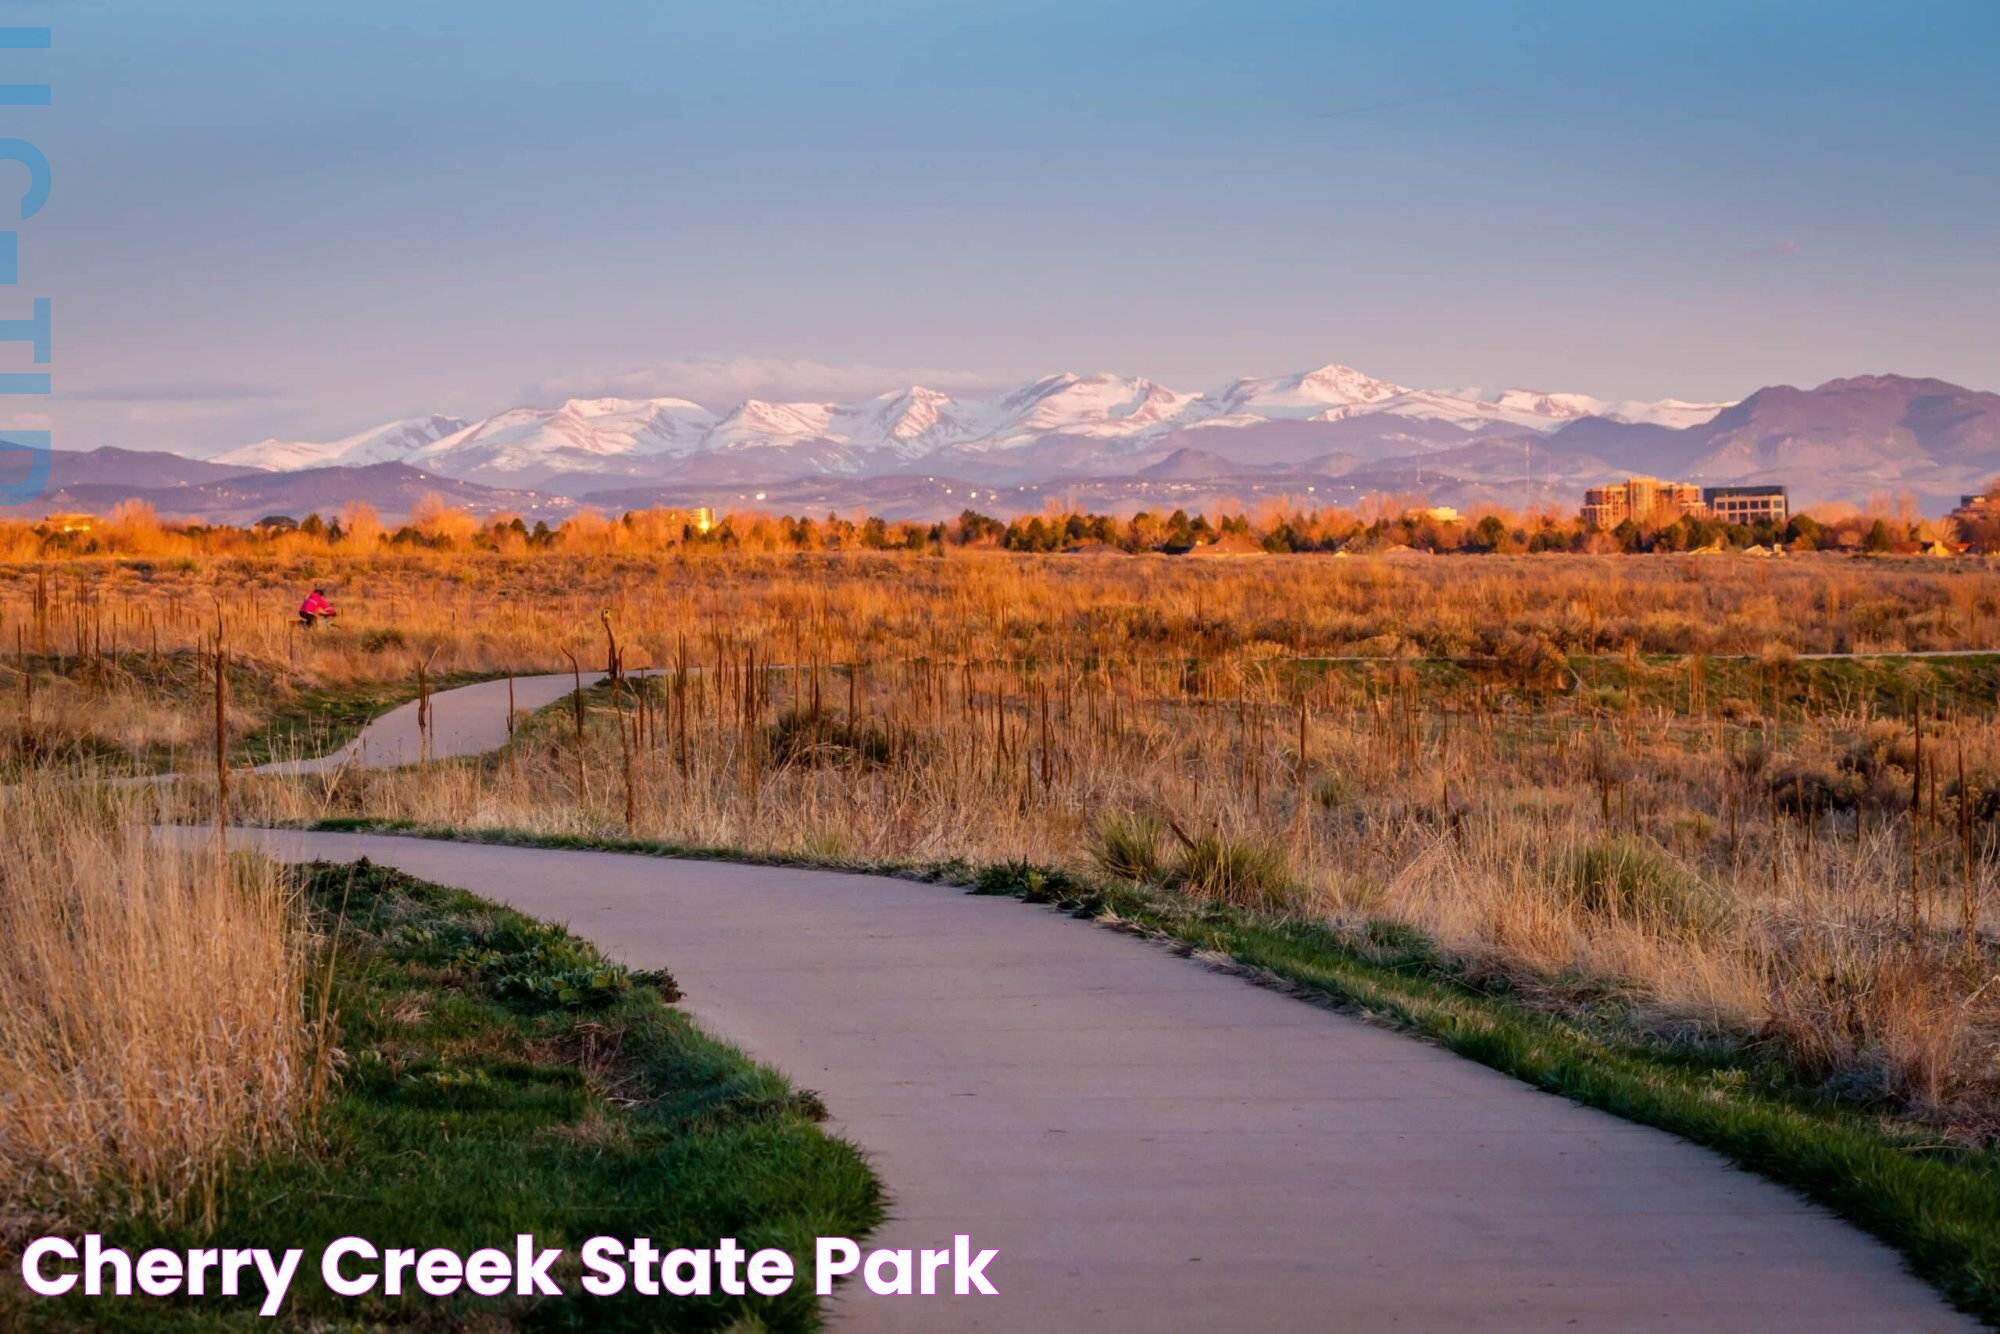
x: 909, y: 422
x: 1061, y: 423
x: 1675, y: 412
x: 1326, y: 394
x: 754, y: 422
x: 392, y: 442
x: 1104, y: 406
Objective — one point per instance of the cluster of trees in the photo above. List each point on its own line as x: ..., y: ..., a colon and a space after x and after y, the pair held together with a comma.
x: 132, y: 528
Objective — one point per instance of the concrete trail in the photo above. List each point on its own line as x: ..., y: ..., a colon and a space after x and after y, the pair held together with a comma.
x: 1154, y: 1145
x: 468, y: 720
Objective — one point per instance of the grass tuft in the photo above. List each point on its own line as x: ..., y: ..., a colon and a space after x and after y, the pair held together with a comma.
x: 1127, y: 847
x: 1633, y: 879
x: 1235, y: 871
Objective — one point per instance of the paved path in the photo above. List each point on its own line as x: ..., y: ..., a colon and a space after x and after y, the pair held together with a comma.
x: 469, y: 720
x: 1153, y: 1145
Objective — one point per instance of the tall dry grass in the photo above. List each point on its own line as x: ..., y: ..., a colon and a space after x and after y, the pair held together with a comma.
x: 1614, y: 865
x: 152, y: 1020
x: 480, y: 611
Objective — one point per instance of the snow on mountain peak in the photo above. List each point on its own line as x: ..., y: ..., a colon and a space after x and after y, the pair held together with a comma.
x: 1306, y: 394
x: 390, y: 442
x: 1126, y: 414
x: 1677, y: 413
x: 1541, y: 403
x: 757, y: 422
x: 906, y: 420
x: 1337, y: 383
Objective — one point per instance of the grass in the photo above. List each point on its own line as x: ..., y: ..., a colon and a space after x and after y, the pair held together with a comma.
x: 1937, y: 1203
x: 152, y: 1028
x: 1886, y: 683
x: 502, y: 1077
x: 1232, y: 870
x: 1128, y: 847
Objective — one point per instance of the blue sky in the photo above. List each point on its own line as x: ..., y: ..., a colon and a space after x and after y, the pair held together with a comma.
x: 299, y: 221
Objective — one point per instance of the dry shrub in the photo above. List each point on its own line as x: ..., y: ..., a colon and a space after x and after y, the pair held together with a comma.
x: 151, y: 1013
x: 801, y: 736
x: 1804, y: 788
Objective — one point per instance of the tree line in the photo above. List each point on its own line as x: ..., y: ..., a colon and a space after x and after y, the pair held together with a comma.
x: 133, y: 528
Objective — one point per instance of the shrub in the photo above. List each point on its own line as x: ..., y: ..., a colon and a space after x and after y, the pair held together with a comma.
x: 801, y: 737
x: 1531, y: 660
x: 1802, y: 789
x: 1633, y: 879
x: 536, y: 966
x: 1335, y: 791
x: 1879, y: 748
x: 1749, y: 761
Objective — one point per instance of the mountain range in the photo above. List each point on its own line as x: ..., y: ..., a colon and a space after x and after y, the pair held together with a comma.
x: 1108, y: 442
x: 1063, y: 424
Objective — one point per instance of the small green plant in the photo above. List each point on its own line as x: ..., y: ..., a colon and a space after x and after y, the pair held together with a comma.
x: 1030, y: 883
x: 538, y: 966
x: 1128, y: 848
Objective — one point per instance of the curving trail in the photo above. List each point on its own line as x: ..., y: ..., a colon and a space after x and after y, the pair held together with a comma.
x: 469, y: 720
x: 1153, y: 1145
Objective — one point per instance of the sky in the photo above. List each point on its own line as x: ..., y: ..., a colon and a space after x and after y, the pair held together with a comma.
x: 301, y: 221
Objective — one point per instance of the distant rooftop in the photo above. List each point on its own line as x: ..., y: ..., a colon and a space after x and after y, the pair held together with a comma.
x: 1743, y: 490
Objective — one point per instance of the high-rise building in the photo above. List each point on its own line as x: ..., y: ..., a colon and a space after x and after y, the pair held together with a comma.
x: 1641, y: 499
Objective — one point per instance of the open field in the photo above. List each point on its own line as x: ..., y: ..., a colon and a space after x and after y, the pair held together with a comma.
x: 1620, y: 796
x: 1624, y: 791
x: 484, y: 611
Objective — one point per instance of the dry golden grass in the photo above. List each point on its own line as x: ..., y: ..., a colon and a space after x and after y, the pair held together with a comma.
x: 152, y: 1022
x: 480, y: 611
x: 1689, y: 849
